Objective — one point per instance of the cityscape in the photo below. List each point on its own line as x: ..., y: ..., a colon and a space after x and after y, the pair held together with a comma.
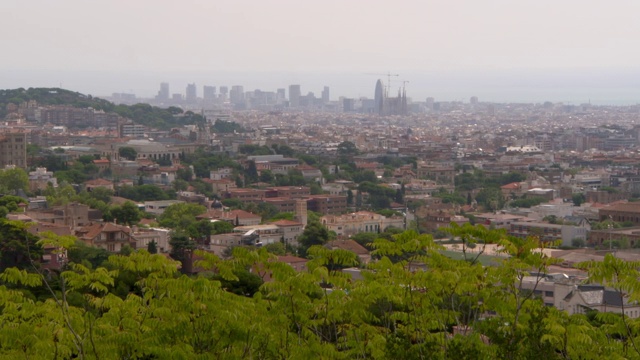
x: 410, y: 180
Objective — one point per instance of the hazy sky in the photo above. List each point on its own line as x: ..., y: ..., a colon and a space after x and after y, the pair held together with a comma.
x: 135, y: 44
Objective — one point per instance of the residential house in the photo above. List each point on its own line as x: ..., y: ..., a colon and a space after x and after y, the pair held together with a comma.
x: 513, y: 190
x: 144, y: 236
x: 98, y: 183
x: 108, y: 236
x: 290, y: 230
x: 102, y: 164
x: 351, y: 245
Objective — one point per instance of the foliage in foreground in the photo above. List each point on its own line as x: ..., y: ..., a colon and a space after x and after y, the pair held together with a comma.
x: 139, y: 307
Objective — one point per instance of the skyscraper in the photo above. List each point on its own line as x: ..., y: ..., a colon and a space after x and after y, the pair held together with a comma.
x: 224, y: 92
x: 192, y: 95
x: 209, y: 94
x: 163, y: 93
x: 294, y: 96
x: 379, y: 97
x: 325, y: 95
x: 236, y: 96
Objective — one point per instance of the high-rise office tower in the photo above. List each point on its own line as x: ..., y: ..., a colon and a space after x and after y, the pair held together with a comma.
x: 163, y: 93
x: 236, y: 95
x: 209, y: 94
x: 325, y: 95
x: 294, y: 96
x: 224, y: 92
x: 379, y: 98
x: 192, y: 94
x: 473, y: 100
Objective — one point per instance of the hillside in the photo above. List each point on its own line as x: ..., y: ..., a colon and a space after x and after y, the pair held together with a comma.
x: 51, y: 96
x: 143, y: 114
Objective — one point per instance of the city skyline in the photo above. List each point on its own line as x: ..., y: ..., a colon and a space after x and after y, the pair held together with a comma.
x: 571, y: 51
x: 569, y: 86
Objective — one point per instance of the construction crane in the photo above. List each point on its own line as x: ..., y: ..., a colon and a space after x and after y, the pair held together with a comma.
x: 388, y: 75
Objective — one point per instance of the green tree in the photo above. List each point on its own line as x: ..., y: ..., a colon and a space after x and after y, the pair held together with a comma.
x: 276, y: 248
x: 18, y: 247
x: 314, y: 234
x: 184, y: 174
x: 251, y: 173
x: 89, y: 256
x: 266, y: 176
x: 128, y: 213
x: 578, y: 199
x: 180, y: 215
x: 11, y: 203
x: 12, y: 180
x: 347, y: 148
x: 128, y: 153
x: 182, y: 247
x: 152, y: 247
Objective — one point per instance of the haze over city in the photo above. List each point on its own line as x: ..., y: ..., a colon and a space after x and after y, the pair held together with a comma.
x: 529, y: 51
x: 331, y: 179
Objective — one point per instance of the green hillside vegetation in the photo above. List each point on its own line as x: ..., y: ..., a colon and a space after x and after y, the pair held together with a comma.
x: 139, y: 306
x: 144, y: 114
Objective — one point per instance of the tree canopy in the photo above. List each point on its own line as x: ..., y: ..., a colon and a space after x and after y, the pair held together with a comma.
x: 252, y: 306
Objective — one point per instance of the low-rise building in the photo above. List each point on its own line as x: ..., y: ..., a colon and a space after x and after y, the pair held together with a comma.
x: 569, y: 294
x: 221, y: 173
x: 327, y: 204
x: 235, y: 217
x: 362, y: 221
x: 350, y: 245
x: 40, y: 179
x: 621, y: 212
x: 145, y: 236
x: 259, y: 235
x: 108, y: 236
x: 71, y: 214
x: 246, y: 195
x: 290, y: 230
x: 98, y: 183
x: 550, y: 232
x: 158, y: 207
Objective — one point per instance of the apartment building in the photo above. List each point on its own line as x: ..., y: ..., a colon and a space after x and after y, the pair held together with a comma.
x: 13, y: 148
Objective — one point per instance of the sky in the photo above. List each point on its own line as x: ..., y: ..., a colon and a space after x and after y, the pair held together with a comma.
x: 523, y: 50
